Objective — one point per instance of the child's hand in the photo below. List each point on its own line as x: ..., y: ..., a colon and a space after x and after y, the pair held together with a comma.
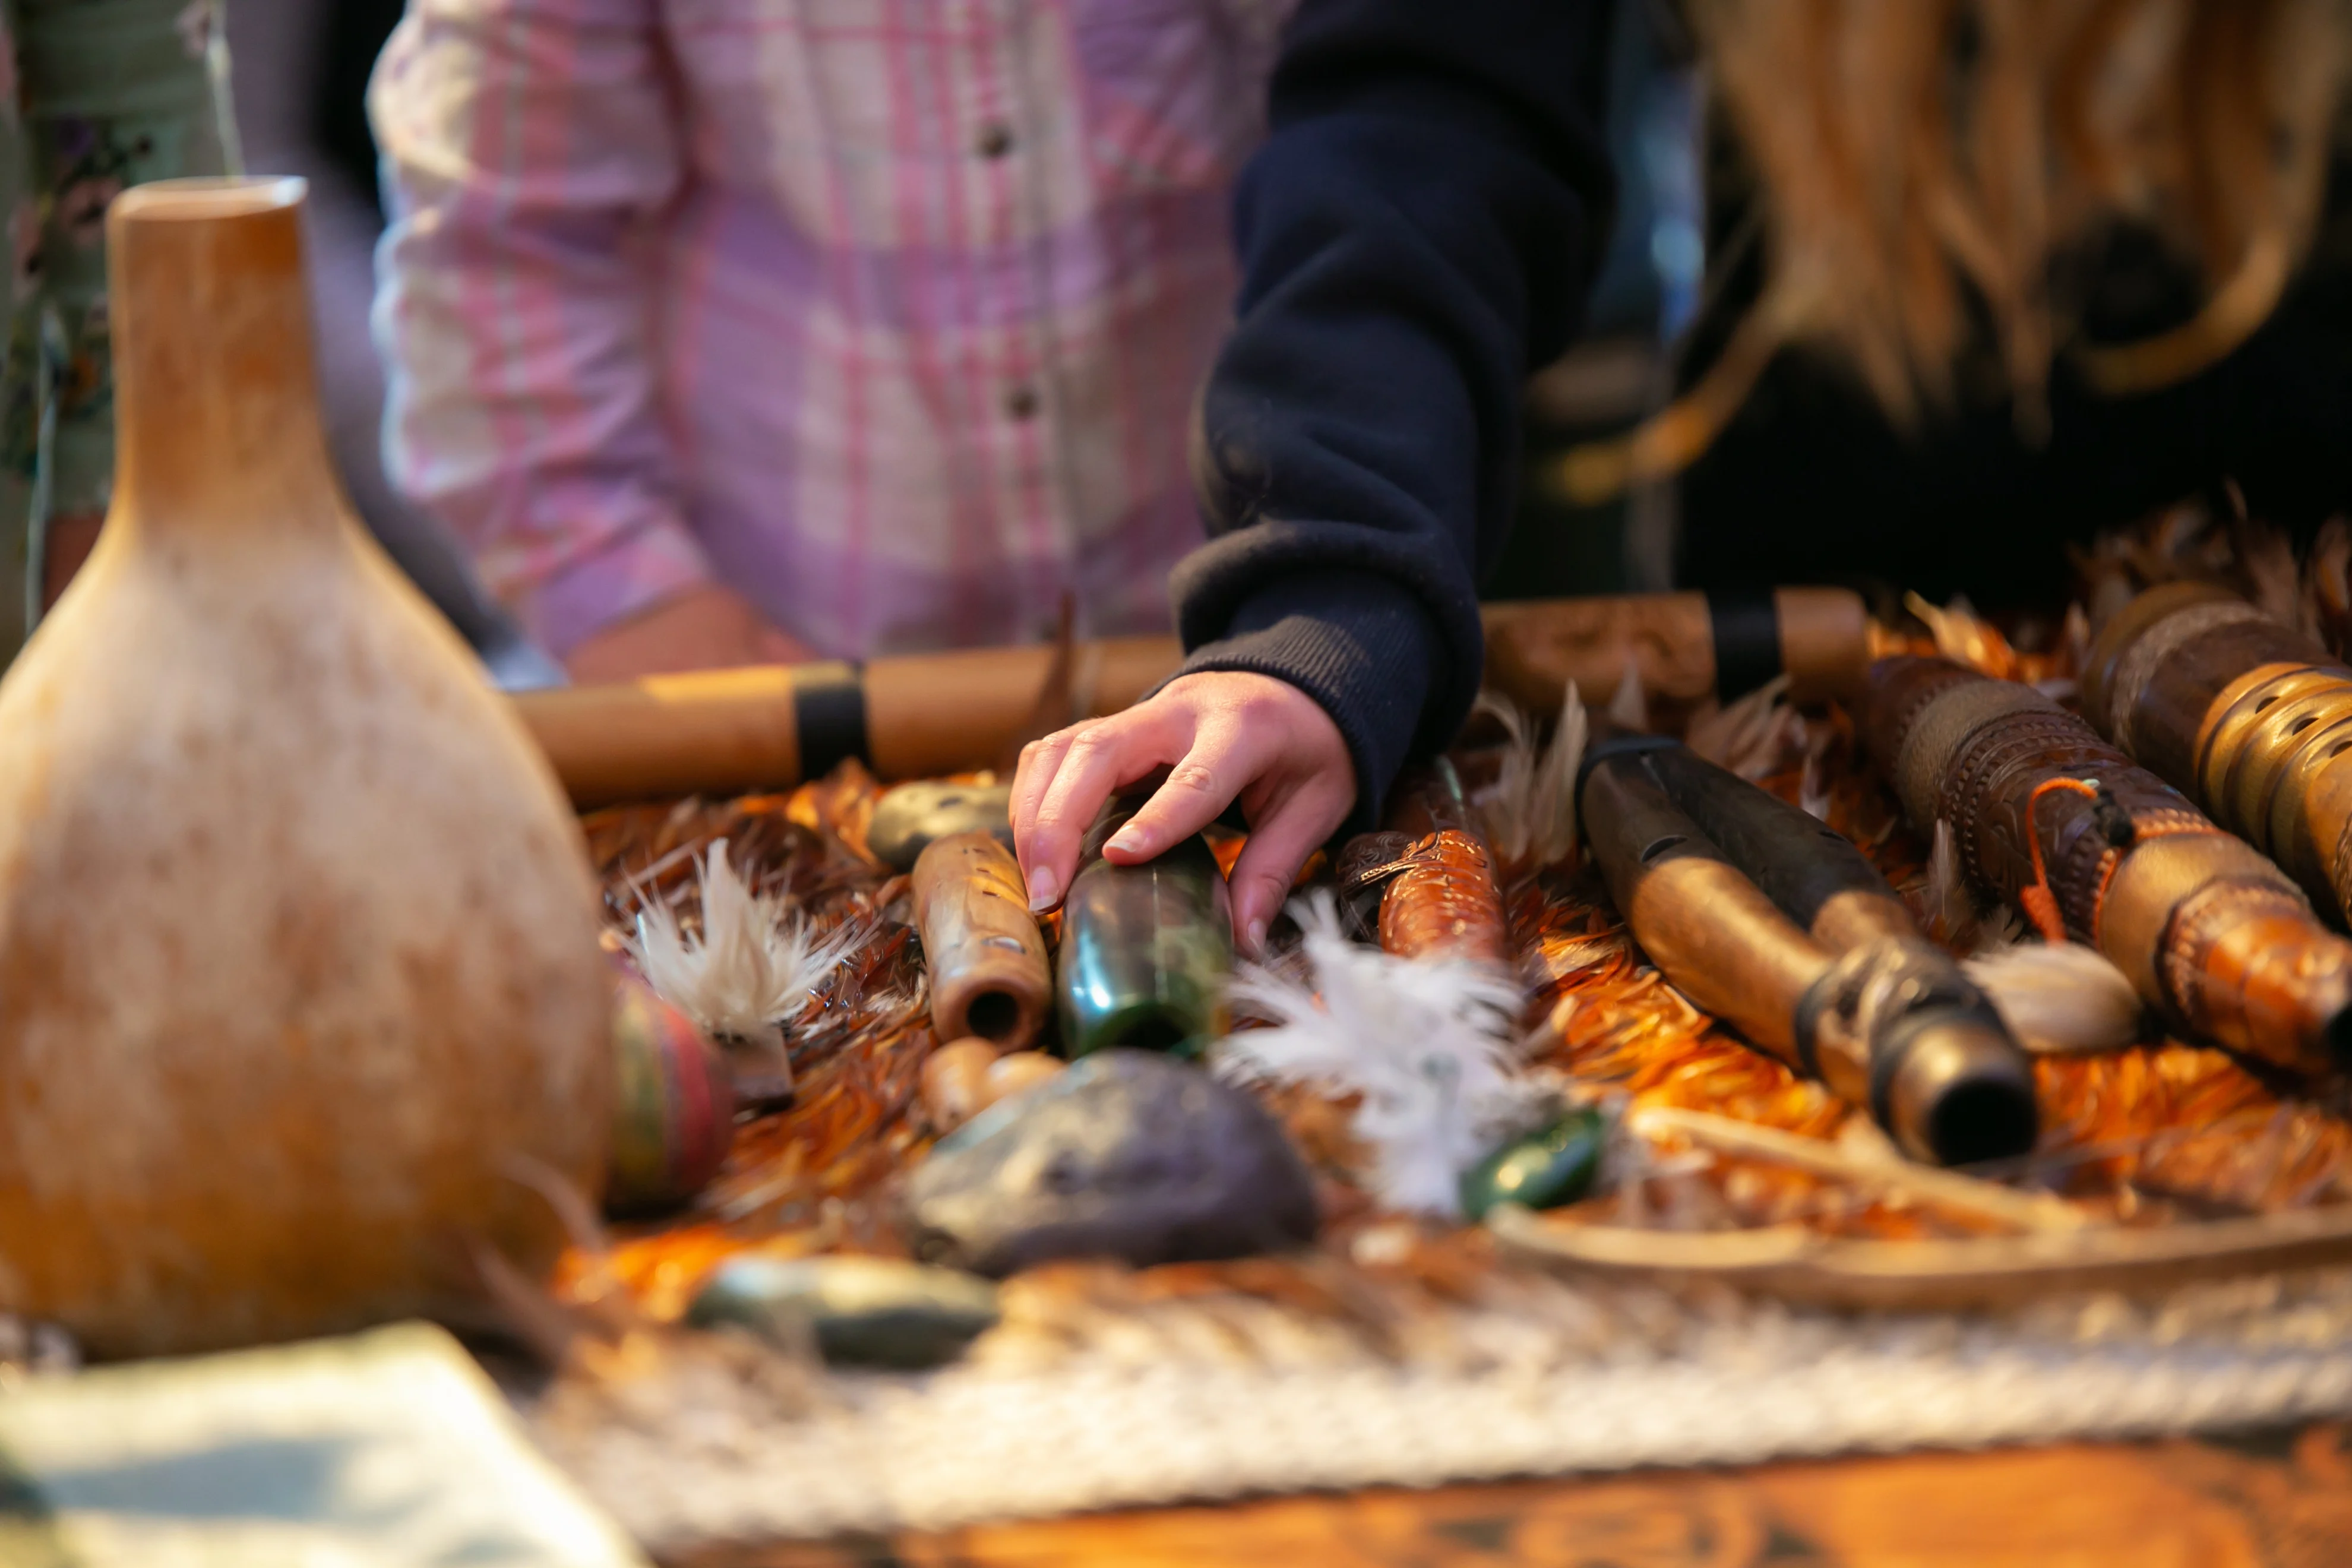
x: 1226, y: 736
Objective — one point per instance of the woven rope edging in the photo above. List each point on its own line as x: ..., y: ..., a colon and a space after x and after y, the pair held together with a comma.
x: 961, y: 1447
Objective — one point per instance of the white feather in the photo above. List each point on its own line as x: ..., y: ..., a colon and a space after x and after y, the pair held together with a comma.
x: 1813, y: 783
x: 1427, y: 1045
x: 2059, y: 998
x: 1629, y: 707
x: 1951, y: 912
x: 753, y: 967
x: 1953, y: 915
x: 1529, y: 811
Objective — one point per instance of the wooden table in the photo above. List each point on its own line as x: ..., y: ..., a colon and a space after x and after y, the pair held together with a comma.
x: 2268, y: 1499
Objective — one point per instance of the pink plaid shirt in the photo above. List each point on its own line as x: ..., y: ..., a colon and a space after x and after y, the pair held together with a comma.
x: 887, y: 314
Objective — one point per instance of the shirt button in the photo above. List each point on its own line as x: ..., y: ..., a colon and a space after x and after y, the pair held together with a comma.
x: 996, y: 140
x: 1021, y: 402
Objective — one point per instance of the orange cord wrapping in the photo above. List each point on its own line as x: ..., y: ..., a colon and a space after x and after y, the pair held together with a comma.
x: 2040, y: 904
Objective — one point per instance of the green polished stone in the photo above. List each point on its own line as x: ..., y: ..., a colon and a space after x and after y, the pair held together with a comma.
x: 859, y: 1311
x: 1541, y: 1171
x: 1146, y: 949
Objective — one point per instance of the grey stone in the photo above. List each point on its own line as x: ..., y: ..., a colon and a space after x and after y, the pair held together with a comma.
x: 864, y: 1312
x: 1128, y: 1155
x: 907, y: 819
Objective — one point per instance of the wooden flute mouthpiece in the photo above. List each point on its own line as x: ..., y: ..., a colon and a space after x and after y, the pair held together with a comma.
x: 2247, y: 716
x: 990, y: 974
x: 2216, y: 938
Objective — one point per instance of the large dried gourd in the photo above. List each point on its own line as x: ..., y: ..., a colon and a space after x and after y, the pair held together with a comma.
x: 298, y: 971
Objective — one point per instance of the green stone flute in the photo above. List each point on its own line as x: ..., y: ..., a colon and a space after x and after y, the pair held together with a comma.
x: 1146, y: 949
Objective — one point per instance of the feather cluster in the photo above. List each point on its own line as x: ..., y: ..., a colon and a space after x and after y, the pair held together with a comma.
x: 2059, y: 998
x: 1529, y: 811
x: 1629, y: 707
x: 1754, y: 736
x: 752, y: 966
x: 1427, y: 1046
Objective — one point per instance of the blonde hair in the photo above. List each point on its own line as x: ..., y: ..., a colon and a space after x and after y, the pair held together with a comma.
x: 1923, y: 160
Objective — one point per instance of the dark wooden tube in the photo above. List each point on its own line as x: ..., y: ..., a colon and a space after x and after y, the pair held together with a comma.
x: 1817, y: 876
x: 1883, y: 1018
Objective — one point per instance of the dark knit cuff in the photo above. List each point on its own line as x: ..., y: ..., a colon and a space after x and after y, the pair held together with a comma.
x: 1359, y: 644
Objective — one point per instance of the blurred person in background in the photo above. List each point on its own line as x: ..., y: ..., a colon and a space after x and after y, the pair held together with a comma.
x: 96, y: 98
x: 735, y: 331
x: 301, y: 67
x: 93, y: 99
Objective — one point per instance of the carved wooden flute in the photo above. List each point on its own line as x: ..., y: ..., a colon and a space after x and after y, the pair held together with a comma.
x: 988, y: 970
x: 2049, y: 816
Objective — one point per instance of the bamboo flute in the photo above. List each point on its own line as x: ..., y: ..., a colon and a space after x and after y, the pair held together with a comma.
x: 770, y: 726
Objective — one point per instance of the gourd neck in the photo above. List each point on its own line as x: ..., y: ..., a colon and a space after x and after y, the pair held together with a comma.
x: 216, y: 411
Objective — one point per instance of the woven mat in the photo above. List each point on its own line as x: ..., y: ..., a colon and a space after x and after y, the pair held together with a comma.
x: 1189, y: 1402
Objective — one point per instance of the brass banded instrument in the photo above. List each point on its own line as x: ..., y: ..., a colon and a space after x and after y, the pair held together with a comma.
x: 2250, y: 718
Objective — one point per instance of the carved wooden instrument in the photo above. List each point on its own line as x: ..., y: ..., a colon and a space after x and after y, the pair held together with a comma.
x: 1883, y: 1018
x: 2049, y: 816
x: 990, y: 974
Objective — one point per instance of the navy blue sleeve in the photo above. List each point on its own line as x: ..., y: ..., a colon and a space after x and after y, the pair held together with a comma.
x: 1416, y: 236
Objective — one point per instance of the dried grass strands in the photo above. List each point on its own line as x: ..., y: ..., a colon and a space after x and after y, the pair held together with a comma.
x: 1966, y: 1194
x: 1924, y: 161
